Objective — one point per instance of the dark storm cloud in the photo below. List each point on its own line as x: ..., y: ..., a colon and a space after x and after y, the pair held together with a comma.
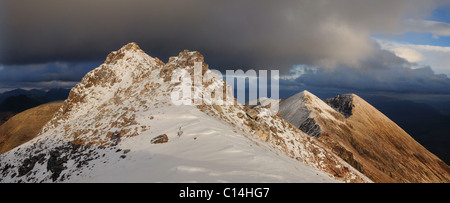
x: 382, y: 72
x: 334, y: 35
x: 231, y: 33
x: 400, y: 78
x: 42, y: 75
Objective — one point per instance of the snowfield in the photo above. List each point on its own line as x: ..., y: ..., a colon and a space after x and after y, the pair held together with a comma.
x: 203, y: 153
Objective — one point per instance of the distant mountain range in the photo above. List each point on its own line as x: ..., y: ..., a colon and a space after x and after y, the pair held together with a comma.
x: 18, y: 100
x: 54, y: 94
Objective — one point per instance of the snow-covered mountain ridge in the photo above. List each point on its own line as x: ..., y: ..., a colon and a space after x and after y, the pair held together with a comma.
x: 119, y: 125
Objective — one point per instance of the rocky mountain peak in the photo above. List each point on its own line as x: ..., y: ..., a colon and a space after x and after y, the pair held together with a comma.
x: 130, y: 48
x: 186, y: 60
x: 306, y: 93
x: 302, y: 109
x: 122, y: 68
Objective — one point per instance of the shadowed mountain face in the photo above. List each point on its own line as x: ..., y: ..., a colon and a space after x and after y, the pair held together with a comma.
x: 55, y: 94
x: 20, y: 103
x: 429, y: 126
x: 5, y: 116
x: 342, y: 103
x: 25, y: 125
x: 17, y: 92
x: 19, y: 100
x: 365, y: 138
x: 15, y: 104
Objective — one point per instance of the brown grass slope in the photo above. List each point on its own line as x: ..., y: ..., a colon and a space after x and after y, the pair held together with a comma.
x: 365, y: 138
x: 379, y: 148
x: 25, y: 125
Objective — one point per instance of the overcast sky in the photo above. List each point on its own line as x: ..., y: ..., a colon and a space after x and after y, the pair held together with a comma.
x: 348, y: 42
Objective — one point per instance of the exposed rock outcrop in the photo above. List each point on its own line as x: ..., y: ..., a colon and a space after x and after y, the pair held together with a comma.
x: 160, y: 139
x: 342, y: 104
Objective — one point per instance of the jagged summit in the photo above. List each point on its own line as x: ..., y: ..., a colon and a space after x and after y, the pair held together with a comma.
x: 130, y: 48
x: 186, y: 60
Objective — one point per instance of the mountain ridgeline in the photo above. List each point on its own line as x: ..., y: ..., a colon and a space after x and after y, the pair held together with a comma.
x: 119, y: 125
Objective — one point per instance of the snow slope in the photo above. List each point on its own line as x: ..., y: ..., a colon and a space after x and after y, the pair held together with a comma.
x: 203, y: 153
x: 303, y: 108
x: 105, y: 130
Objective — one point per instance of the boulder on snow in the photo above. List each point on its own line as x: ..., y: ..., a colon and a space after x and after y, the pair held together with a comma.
x: 160, y: 139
